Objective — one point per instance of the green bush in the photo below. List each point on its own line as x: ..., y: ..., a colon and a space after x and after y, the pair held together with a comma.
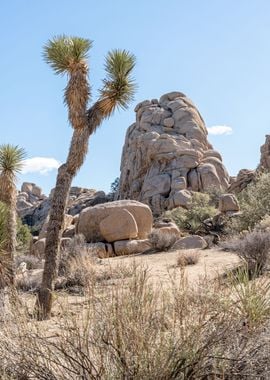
x: 191, y: 219
x: 254, y: 203
x: 24, y: 235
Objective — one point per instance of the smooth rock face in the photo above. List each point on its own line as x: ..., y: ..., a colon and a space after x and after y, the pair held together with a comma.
x: 166, y: 151
x: 190, y: 242
x: 129, y: 247
x: 228, y: 202
x: 119, y: 225
x: 90, y: 218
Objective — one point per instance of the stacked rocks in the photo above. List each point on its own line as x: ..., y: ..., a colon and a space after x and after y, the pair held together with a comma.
x: 166, y: 155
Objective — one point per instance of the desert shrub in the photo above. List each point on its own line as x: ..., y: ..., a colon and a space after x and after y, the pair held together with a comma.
x: 24, y: 236
x: 188, y: 257
x: 192, y: 219
x: 76, y: 247
x: 31, y: 261
x: 252, y: 297
x: 264, y: 224
x: 214, y: 193
x: 139, y: 331
x: 254, y: 203
x: 162, y: 240
x: 253, y: 247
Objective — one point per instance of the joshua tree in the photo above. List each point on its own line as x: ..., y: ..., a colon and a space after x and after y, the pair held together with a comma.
x: 11, y: 162
x: 68, y: 55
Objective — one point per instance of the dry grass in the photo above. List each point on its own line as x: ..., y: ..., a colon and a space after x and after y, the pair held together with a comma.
x: 162, y: 241
x: 135, y: 331
x: 253, y: 247
x: 188, y: 257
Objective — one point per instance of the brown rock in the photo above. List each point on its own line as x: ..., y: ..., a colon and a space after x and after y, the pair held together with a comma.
x: 228, y: 202
x: 190, y: 242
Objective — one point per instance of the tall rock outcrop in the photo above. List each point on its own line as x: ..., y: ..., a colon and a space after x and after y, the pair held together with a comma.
x: 265, y: 154
x: 246, y: 176
x: 166, y: 154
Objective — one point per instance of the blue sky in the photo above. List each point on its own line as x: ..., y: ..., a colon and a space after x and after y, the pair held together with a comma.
x: 217, y: 52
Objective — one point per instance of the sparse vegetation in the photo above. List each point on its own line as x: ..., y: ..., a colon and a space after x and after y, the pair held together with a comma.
x: 254, y: 204
x: 188, y: 257
x: 253, y: 248
x: 192, y: 219
x: 134, y: 330
x: 162, y: 240
x: 24, y: 236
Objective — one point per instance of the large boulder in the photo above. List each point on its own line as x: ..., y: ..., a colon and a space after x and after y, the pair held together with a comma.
x: 119, y: 225
x: 90, y: 219
x: 166, y: 153
x: 227, y: 203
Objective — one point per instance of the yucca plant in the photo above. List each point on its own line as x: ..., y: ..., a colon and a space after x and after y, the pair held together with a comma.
x: 68, y: 55
x: 11, y: 162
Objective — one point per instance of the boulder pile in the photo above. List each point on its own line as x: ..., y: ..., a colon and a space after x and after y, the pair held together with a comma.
x: 166, y: 155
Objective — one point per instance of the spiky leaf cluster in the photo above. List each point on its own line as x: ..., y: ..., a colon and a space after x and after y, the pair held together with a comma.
x: 118, y: 86
x: 11, y: 159
x: 63, y: 53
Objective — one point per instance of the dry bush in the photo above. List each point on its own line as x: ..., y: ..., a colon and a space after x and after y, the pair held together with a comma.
x: 162, y: 240
x: 32, y: 262
x: 188, y: 257
x: 253, y: 247
x: 137, y: 331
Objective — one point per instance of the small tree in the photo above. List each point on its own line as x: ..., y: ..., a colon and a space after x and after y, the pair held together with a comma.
x: 68, y: 55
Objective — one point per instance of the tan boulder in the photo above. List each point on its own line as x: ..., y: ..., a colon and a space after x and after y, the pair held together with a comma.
x: 119, y: 225
x: 171, y: 228
x: 190, y: 242
x: 129, y: 247
x: 228, y: 202
x: 91, y: 217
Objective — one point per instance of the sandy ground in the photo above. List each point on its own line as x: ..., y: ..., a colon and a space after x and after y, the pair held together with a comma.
x: 162, y: 265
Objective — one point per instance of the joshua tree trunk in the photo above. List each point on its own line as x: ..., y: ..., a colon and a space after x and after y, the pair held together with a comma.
x: 66, y: 173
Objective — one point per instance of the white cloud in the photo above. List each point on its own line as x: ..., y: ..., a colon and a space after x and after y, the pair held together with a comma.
x: 220, y: 130
x: 41, y: 165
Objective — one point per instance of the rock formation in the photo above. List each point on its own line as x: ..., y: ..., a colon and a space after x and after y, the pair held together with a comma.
x: 265, y: 154
x: 33, y: 207
x: 166, y: 155
x: 246, y: 176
